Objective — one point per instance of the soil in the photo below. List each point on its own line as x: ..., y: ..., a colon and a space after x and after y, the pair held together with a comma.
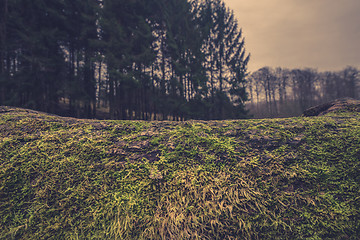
x: 338, y: 105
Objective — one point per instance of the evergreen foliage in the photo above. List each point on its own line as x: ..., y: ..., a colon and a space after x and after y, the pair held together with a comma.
x: 153, y: 59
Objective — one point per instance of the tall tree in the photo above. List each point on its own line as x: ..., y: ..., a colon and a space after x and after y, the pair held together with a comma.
x: 34, y: 58
x: 3, y: 40
x: 349, y: 77
x: 128, y: 43
x: 81, y: 29
x: 304, y: 82
x: 226, y: 59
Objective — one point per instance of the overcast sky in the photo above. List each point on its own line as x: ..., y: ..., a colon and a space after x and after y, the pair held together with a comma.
x: 321, y: 34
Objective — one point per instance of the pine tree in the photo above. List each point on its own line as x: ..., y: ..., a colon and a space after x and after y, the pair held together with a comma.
x: 34, y: 57
x: 128, y: 39
x: 81, y: 49
x: 3, y: 42
x: 226, y: 59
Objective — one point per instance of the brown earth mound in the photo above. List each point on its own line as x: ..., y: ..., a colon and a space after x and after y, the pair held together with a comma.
x: 343, y: 104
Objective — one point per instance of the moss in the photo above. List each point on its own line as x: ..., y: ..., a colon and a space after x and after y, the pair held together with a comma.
x: 62, y: 178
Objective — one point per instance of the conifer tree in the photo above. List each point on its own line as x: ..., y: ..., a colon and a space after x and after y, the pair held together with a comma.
x: 34, y: 58
x: 146, y: 59
x: 3, y: 41
x: 226, y: 58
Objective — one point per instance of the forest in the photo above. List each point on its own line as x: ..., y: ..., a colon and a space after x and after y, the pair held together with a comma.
x: 283, y: 92
x: 147, y: 60
x: 120, y: 59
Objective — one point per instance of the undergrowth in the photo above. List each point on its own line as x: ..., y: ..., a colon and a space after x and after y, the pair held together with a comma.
x: 62, y: 178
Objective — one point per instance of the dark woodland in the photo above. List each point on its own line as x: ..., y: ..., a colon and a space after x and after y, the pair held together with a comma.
x: 148, y: 60
x: 141, y: 59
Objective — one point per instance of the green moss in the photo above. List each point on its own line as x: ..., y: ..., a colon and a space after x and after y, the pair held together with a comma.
x: 295, y: 178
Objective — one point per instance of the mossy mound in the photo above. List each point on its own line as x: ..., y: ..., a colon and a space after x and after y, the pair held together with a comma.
x: 63, y: 178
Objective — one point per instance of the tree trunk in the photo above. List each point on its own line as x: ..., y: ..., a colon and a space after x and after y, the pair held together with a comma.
x: 3, y: 23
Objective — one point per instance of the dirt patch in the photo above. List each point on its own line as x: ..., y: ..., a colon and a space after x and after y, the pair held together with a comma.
x: 339, y: 105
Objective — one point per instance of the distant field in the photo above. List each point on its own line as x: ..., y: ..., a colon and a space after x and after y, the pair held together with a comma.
x: 293, y: 178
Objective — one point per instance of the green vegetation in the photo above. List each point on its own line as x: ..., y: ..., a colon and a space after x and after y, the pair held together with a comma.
x: 63, y: 178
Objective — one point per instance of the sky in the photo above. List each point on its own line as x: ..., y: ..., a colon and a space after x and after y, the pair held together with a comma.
x: 319, y: 34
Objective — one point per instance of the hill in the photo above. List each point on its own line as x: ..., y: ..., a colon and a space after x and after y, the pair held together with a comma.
x: 64, y: 178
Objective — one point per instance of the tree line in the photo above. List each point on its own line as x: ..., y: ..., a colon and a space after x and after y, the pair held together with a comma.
x: 121, y: 59
x: 282, y: 92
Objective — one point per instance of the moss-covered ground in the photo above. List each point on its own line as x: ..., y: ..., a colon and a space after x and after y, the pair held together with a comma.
x: 63, y: 178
